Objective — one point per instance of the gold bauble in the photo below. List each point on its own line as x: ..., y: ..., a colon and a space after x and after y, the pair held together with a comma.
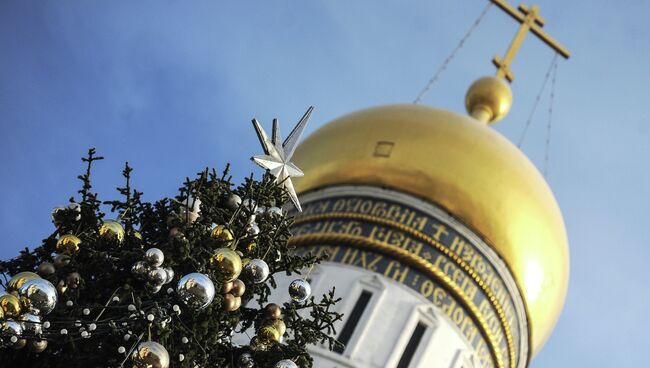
x: 10, y: 305
x: 489, y: 99
x: 238, y: 288
x: 229, y: 302
x: 468, y: 169
x: 279, y: 325
x: 222, y: 233
x: 250, y: 248
x: 226, y: 263
x: 226, y: 287
x: 37, y: 346
x: 112, y: 230
x: 19, y: 344
x: 68, y: 244
x: 269, y: 334
x: 46, y: 268
x: 2, y: 314
x: 19, y: 279
x: 61, y: 260
x: 273, y: 311
x: 237, y: 303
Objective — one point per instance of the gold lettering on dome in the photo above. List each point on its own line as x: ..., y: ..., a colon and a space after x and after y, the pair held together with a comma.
x: 396, y: 271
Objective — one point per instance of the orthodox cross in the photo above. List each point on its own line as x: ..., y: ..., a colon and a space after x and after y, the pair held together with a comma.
x: 530, y: 21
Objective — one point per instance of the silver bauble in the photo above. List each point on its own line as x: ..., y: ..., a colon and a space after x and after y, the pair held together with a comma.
x: 9, y: 329
x: 260, y: 210
x: 196, y: 290
x: 299, y: 290
x: 274, y: 212
x: 249, y: 204
x: 154, y: 257
x: 157, y: 276
x: 150, y: 354
x: 252, y: 229
x: 139, y: 269
x: 76, y: 208
x: 32, y: 324
x: 245, y: 361
x: 286, y: 363
x: 257, y: 270
x: 57, y: 216
x: 40, y: 296
x: 233, y: 202
x: 153, y: 288
x: 170, y: 274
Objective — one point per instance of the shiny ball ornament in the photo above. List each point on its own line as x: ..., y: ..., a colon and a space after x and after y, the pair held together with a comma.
x: 273, y: 311
x: 68, y: 244
x: 157, y: 276
x: 196, y: 290
x: 150, y: 354
x: 257, y: 270
x: 73, y: 280
x: 233, y: 202
x: 76, y: 209
x: 10, y: 305
x: 227, y: 264
x: 489, y: 99
x: 252, y: 229
x: 251, y: 247
x: 237, y: 303
x: 286, y: 363
x: 245, y: 361
x: 139, y: 269
x: 46, y: 269
x: 229, y: 302
x: 112, y: 231
x: 257, y: 345
x: 299, y: 290
x: 226, y: 287
x: 238, y: 288
x: 250, y: 205
x: 61, y: 260
x: 222, y: 233
x: 279, y: 325
x: 153, y: 288
x: 40, y: 296
x: 154, y: 257
x: 169, y: 275
x: 20, y: 279
x: 37, y: 346
x: 57, y: 216
x: 274, y: 212
x: 32, y: 323
x: 12, y: 328
x: 269, y: 335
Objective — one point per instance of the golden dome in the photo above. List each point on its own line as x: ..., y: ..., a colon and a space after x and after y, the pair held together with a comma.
x: 465, y: 167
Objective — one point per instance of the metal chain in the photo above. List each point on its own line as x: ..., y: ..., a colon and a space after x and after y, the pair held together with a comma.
x: 550, y: 118
x: 539, y: 96
x: 445, y: 63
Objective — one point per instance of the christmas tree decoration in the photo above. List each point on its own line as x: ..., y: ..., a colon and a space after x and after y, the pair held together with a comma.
x: 20, y: 279
x: 299, y: 290
x: 101, y: 295
x: 196, y: 290
x: 112, y: 231
x: 150, y: 355
x: 227, y: 264
x: 68, y: 244
x: 39, y: 296
x: 286, y: 363
x: 257, y: 270
x: 277, y: 156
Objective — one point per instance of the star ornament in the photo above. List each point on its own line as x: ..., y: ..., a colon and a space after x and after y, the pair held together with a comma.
x: 277, y: 156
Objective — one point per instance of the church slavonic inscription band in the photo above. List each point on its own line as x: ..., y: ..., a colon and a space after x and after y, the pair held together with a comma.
x: 422, y: 235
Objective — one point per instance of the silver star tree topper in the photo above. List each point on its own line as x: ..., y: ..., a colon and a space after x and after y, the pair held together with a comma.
x: 277, y: 157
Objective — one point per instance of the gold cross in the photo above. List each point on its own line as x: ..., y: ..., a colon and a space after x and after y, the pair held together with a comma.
x: 530, y: 21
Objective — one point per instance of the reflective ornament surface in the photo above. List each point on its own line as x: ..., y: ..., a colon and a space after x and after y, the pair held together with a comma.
x: 299, y: 290
x: 279, y: 325
x: 227, y: 263
x: 37, y: 346
x: 196, y: 290
x: 112, y: 230
x: 252, y: 229
x: 150, y: 354
x: 273, y: 311
x: 46, y: 268
x: 61, y: 260
x: 19, y: 279
x: 10, y: 305
x: 233, y: 202
x: 154, y: 257
x: 238, y: 288
x: 68, y: 244
x: 9, y: 329
x: 157, y: 276
x: 139, y: 269
x: 274, y: 212
x: 286, y: 363
x: 245, y: 361
x: 31, y: 323
x: 222, y: 233
x: 257, y: 270
x: 39, y: 296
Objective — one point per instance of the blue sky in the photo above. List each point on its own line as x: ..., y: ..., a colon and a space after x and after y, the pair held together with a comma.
x: 171, y: 87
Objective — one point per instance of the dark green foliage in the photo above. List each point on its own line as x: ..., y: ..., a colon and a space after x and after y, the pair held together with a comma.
x: 108, y: 286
